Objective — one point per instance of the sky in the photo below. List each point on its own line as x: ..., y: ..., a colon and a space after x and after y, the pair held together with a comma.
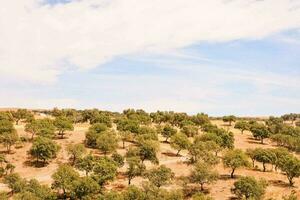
x: 220, y: 57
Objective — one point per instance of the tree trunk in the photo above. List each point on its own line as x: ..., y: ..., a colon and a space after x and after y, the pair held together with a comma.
x: 264, y: 166
x: 253, y: 163
x: 291, y: 181
x: 166, y: 139
x: 261, y: 140
x: 123, y: 144
x: 202, y: 188
x: 129, y: 181
x: 32, y: 135
x: 177, y: 154
x: 232, y: 173
x: 74, y: 159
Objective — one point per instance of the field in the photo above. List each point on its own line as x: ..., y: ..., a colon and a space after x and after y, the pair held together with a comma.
x: 221, y: 189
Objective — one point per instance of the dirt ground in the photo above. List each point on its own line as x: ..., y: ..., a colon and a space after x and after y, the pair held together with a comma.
x: 220, y: 190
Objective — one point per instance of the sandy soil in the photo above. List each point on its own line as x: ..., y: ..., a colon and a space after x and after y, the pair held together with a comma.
x: 219, y: 190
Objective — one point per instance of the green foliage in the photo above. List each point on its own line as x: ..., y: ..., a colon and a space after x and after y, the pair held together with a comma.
x: 242, y: 125
x: 200, y: 119
x: 135, y: 168
x: 260, y: 131
x: 200, y: 151
x: 290, y: 117
x: 93, y: 133
x: 249, y: 188
x: 35, y: 190
x: 20, y: 114
x: 203, y: 173
x: 84, y: 188
x: 168, y: 131
x: 43, y: 149
x: 63, y: 124
x: 126, y: 136
x: 87, y: 164
x: 133, y: 193
x: 41, y: 127
x: 105, y: 170
x: 190, y: 130
x: 160, y: 176
x: 288, y: 137
x: 234, y: 159
x: 64, y: 178
x: 8, y: 134
x: 15, y: 182
x: 6, y: 116
x: 221, y: 137
x: 161, y: 116
x: 201, y: 196
x: 291, y: 166
x: 229, y: 119
x: 101, y: 117
x: 265, y: 156
x: 138, y: 115
x: 118, y: 158
x: 146, y: 133
x: 153, y: 192
x: 180, y: 141
x: 128, y: 125
x: 148, y: 150
x: 107, y: 142
x: 76, y: 151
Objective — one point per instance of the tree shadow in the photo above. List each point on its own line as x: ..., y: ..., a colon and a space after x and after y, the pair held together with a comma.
x: 226, y: 177
x: 279, y: 183
x: 190, y: 190
x: 171, y: 154
x: 35, y: 164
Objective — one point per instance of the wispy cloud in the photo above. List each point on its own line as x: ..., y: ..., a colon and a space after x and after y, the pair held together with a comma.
x: 35, y: 38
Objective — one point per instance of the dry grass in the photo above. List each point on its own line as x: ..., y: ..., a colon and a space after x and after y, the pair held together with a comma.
x: 220, y: 190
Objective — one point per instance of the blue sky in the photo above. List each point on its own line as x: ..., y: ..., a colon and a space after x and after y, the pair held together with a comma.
x: 252, y: 74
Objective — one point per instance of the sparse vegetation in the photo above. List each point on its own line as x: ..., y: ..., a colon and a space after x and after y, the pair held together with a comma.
x: 91, y: 160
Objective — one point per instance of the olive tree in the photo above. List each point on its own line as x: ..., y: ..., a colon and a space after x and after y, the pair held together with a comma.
x: 260, y: 131
x: 107, y: 142
x: 86, y: 164
x: 84, y: 188
x: 168, y: 131
x: 105, y: 170
x: 15, y: 182
x: 179, y: 141
x: 242, y: 125
x: 20, y: 114
x: 291, y: 166
x: 203, y: 173
x: 91, y: 136
x: 229, y: 119
x: 8, y: 134
x: 62, y: 125
x: 249, y: 188
x: 234, y: 159
x: 135, y: 168
x: 41, y: 127
x: 63, y: 179
x: 76, y: 151
x: 265, y: 156
x: 43, y: 149
x: 160, y: 176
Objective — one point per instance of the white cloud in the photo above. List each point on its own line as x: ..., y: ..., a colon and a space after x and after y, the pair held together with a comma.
x: 38, y: 42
